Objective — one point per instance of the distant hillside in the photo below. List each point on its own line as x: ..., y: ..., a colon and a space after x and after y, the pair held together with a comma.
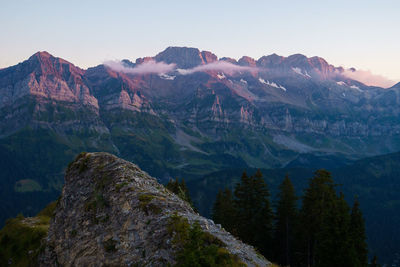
x: 375, y: 181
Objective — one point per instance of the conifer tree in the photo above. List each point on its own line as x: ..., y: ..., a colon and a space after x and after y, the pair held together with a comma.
x: 243, y: 204
x: 224, y: 211
x: 180, y: 189
x: 254, y: 213
x: 317, y: 200
x: 334, y: 246
x: 285, y: 220
x: 358, y: 236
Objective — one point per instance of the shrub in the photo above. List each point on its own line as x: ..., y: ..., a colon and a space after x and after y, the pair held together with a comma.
x: 198, y: 248
x: 21, y: 239
x: 146, y: 205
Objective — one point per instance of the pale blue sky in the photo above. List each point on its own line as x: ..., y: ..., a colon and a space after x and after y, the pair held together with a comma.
x: 364, y: 34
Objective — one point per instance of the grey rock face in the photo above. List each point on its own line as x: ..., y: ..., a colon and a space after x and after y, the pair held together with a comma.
x: 111, y: 213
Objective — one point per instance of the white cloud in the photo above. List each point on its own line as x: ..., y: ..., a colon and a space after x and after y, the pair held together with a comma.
x: 144, y: 68
x: 368, y: 78
x: 221, y: 66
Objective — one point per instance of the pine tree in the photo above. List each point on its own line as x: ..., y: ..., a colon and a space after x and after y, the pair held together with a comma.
x: 334, y: 242
x: 224, y: 211
x: 317, y: 200
x: 265, y: 217
x: 180, y: 189
x: 244, y: 210
x: 358, y: 236
x: 285, y: 220
x: 254, y: 213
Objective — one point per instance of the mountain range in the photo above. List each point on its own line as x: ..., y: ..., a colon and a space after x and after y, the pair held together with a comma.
x: 183, y: 113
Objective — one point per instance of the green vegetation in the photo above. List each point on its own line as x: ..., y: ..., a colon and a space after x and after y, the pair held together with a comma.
x: 27, y: 185
x: 118, y: 187
x: 197, y: 248
x: 253, y: 212
x: 146, y: 205
x: 357, y: 235
x: 97, y: 200
x: 322, y: 233
x: 83, y: 165
x: 224, y: 211
x: 286, y: 217
x: 249, y: 214
x: 180, y: 189
x: 21, y: 239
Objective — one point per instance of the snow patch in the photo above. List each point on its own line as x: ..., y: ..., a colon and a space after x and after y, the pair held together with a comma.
x: 300, y: 72
x: 341, y: 83
x: 283, y: 88
x: 352, y: 86
x: 272, y: 84
x: 166, y: 76
x: 243, y: 81
x: 262, y: 81
x: 221, y: 76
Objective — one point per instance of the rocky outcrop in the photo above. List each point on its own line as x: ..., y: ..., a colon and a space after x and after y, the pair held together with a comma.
x: 111, y: 213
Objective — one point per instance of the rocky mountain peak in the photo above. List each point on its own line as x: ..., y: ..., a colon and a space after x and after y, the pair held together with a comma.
x: 143, y: 60
x: 128, y: 63
x: 185, y: 57
x: 247, y: 61
x: 298, y: 60
x: 208, y: 57
x: 41, y: 54
x: 228, y: 59
x: 112, y: 213
x: 46, y: 77
x: 44, y: 63
x: 271, y: 61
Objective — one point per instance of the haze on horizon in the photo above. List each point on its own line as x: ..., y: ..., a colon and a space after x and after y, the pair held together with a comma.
x: 360, y: 34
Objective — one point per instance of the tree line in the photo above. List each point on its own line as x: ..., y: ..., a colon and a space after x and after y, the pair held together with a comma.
x: 323, y: 231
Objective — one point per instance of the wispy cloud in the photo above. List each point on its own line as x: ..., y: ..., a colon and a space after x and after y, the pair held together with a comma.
x: 368, y: 78
x: 161, y: 67
x: 144, y: 68
x: 222, y: 66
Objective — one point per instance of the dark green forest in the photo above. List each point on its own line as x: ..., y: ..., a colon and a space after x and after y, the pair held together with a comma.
x: 317, y: 229
x: 373, y: 181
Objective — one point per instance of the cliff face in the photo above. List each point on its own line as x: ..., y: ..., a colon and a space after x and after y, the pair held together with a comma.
x: 111, y: 213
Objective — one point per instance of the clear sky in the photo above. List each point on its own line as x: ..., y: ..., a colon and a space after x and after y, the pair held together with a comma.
x: 362, y: 34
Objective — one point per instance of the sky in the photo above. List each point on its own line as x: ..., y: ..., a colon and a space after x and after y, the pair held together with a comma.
x: 361, y: 34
